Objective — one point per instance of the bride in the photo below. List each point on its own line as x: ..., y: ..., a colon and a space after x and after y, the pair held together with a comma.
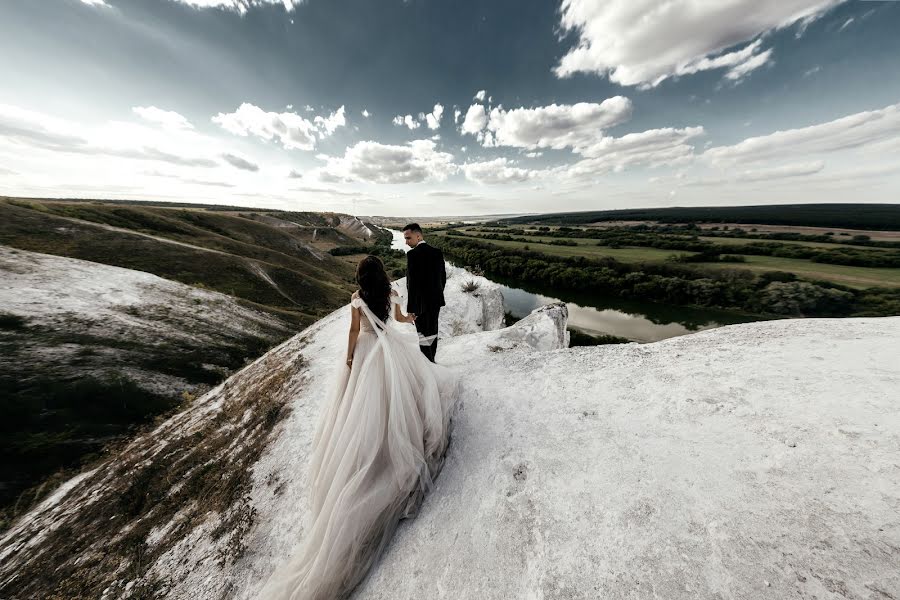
x: 381, y: 439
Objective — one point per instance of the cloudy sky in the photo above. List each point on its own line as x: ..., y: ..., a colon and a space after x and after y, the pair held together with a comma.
x: 462, y: 107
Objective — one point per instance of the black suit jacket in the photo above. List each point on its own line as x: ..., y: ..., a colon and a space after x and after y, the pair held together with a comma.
x: 425, y: 279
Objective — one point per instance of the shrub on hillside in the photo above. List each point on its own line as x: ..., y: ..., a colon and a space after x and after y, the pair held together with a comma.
x: 770, y: 276
x: 798, y: 298
x: 470, y: 286
x: 11, y: 321
x: 877, y: 302
x: 349, y: 250
x: 578, y: 338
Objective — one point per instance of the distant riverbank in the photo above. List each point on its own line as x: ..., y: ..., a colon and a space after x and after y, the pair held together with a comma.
x: 598, y: 315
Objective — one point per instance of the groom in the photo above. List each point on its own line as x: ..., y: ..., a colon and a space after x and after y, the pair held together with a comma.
x: 425, y: 280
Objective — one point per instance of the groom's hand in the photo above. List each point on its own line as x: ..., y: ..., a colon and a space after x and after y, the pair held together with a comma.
x: 412, y: 317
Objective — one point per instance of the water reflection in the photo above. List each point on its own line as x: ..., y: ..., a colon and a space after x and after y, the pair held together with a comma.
x: 635, y: 325
x: 596, y: 314
x: 398, y: 243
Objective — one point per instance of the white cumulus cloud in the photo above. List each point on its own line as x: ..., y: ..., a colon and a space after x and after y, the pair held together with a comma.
x: 644, y: 42
x: 23, y: 128
x: 166, y: 118
x: 408, y: 121
x: 739, y: 71
x: 448, y: 194
x: 475, y: 121
x: 433, y: 119
x: 240, y: 162
x: 783, y: 171
x: 853, y: 131
x: 372, y: 162
x: 330, y: 123
x: 288, y: 128
x: 763, y: 175
x: 651, y: 148
x: 556, y: 126
x: 239, y: 6
x: 497, y: 171
x: 739, y: 63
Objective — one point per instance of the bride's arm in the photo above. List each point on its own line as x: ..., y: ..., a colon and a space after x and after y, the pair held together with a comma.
x: 354, y: 334
x: 400, y: 317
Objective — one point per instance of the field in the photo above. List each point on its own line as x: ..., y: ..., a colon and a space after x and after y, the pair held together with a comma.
x: 739, y: 241
x: 887, y: 236
x: 589, y: 249
x: 855, y: 277
x: 852, y: 276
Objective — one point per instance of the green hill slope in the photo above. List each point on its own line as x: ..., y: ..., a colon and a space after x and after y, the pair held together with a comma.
x: 90, y: 353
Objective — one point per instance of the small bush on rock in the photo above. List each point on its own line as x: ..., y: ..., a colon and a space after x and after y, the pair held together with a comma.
x: 470, y: 286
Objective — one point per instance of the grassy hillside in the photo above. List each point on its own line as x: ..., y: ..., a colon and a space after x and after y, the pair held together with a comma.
x: 76, y: 380
x: 277, y: 262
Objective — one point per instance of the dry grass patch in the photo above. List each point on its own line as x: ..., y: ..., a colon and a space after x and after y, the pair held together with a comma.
x: 195, y: 470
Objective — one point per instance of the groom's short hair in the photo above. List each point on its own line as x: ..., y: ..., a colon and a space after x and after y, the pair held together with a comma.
x: 413, y: 227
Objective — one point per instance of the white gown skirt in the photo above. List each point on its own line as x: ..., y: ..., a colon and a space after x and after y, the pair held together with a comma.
x: 380, y: 442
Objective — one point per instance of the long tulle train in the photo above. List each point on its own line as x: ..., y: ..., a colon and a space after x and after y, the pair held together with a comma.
x: 380, y: 442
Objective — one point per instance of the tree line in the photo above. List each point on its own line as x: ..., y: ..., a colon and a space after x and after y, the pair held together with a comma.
x: 768, y: 293
x: 882, y: 217
x: 620, y: 237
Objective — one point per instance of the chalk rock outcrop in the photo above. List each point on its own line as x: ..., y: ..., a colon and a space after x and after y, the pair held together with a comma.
x: 477, y: 304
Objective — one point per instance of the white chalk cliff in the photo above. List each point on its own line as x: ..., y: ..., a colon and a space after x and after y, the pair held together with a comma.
x: 480, y: 309
x: 112, y: 308
x: 752, y: 461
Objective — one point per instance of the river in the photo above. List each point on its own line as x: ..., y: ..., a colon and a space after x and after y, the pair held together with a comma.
x: 597, y: 314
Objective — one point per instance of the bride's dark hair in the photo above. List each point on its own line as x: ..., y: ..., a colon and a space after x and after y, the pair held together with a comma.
x: 374, y: 286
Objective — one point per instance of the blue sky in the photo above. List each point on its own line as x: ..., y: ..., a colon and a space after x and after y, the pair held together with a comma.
x: 440, y: 107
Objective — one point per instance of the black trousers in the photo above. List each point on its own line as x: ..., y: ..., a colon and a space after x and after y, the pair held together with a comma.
x: 427, y: 325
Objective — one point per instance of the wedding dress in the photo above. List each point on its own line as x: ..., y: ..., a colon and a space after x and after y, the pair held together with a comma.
x: 381, y: 440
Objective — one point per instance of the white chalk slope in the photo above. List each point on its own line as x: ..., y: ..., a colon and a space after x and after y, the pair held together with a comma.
x: 49, y: 289
x: 752, y: 461
x: 111, y: 308
x: 281, y: 515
